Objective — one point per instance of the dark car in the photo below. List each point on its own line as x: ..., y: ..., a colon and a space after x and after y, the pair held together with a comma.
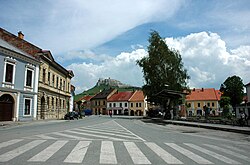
x: 71, y: 116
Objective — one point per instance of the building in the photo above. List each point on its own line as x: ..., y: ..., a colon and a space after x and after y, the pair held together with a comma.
x: 245, y: 106
x: 86, y: 102
x: 19, y: 72
x: 138, y: 104
x: 118, y: 103
x: 99, y: 101
x: 54, y: 80
x: 198, y: 98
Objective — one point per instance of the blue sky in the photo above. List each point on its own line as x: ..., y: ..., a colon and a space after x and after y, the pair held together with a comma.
x: 103, y: 38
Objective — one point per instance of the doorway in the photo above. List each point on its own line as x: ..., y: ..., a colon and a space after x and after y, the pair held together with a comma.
x: 6, y: 107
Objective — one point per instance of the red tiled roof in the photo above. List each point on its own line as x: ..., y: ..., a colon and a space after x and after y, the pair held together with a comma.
x: 137, y: 96
x: 121, y: 96
x: 204, y: 94
x: 87, y: 98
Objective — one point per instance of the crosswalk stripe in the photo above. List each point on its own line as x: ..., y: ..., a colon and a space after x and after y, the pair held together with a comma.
x: 105, y: 133
x: 135, y: 153
x: 8, y: 143
x: 95, y: 135
x: 198, y: 159
x: 20, y: 150
x: 213, y: 154
x: 167, y: 157
x: 69, y: 136
x: 234, y: 148
x: 228, y: 152
x: 78, y: 153
x: 48, y: 152
x: 45, y: 136
x: 123, y: 132
x: 107, y: 155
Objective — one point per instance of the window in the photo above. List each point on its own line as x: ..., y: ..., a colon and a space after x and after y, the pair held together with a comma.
x: 57, y: 81
x: 27, y: 107
x: 136, y: 104
x: 60, y: 84
x: 199, y: 104
x: 44, y: 74
x: 104, y: 102
x: 120, y: 104
x: 53, y: 80
x: 126, y: 104
x: 131, y: 104
x: 29, y: 78
x: 64, y: 85
x: 139, y: 104
x: 49, y: 78
x: 9, y: 73
x: 114, y: 104
x: 48, y: 101
x: 110, y: 104
x: 52, y: 102
x: 208, y: 104
x: 212, y: 104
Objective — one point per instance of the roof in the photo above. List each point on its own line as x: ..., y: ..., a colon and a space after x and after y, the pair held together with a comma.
x: 104, y: 94
x: 204, y: 94
x: 137, y: 96
x: 121, y: 96
x: 86, y: 98
x: 248, y: 84
x: 8, y: 46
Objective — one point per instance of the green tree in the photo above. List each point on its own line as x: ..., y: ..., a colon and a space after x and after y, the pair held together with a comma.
x: 162, y: 67
x: 233, y: 88
x: 225, y: 104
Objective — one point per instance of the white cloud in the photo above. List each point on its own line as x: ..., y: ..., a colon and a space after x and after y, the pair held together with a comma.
x: 205, y: 56
x: 62, y: 26
x: 208, y: 61
x: 122, y: 67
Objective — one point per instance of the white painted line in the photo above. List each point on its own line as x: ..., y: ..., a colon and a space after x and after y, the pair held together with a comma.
x: 130, y: 131
x: 105, y: 133
x: 48, y: 152
x: 234, y: 148
x: 213, y: 154
x: 198, y: 159
x: 43, y: 136
x: 69, y: 136
x: 20, y: 150
x: 135, y: 153
x: 228, y: 152
x: 78, y: 153
x: 8, y: 143
x: 107, y: 155
x: 95, y: 135
x: 167, y: 157
x: 120, y: 131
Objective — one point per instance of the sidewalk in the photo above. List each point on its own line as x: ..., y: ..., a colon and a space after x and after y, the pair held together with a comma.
x: 229, y: 128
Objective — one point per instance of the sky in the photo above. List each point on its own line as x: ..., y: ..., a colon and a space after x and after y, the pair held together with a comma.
x: 104, y: 38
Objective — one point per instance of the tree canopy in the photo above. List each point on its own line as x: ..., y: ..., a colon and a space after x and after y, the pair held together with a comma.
x: 233, y: 88
x: 162, y: 68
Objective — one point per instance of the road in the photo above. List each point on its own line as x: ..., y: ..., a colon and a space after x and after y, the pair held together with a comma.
x: 102, y: 140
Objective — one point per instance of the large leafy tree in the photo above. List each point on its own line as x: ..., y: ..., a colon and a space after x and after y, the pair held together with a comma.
x: 233, y: 88
x: 162, y: 68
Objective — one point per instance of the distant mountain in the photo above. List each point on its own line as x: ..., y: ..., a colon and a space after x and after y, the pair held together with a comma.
x: 103, y: 84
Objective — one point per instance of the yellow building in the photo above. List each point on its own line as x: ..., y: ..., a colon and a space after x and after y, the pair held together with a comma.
x: 137, y: 104
x: 198, y: 98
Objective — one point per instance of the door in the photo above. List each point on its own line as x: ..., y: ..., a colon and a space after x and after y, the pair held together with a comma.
x: 6, y: 107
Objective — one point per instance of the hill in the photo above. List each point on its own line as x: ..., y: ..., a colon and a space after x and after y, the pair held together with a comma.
x: 103, y: 84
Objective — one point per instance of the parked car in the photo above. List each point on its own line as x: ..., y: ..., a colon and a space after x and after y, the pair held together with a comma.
x: 71, y: 116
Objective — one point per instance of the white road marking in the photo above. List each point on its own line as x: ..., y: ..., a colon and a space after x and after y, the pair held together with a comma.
x: 198, y: 159
x: 130, y: 131
x: 213, y: 154
x: 95, y: 135
x: 43, y: 136
x: 8, y: 143
x: 48, y: 152
x: 78, y: 153
x: 107, y: 155
x: 228, y: 152
x: 70, y: 136
x: 135, y: 153
x: 20, y: 150
x: 105, y: 133
x: 167, y: 157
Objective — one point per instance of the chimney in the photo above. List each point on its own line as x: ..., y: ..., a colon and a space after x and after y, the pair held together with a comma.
x: 202, y: 89
x: 20, y: 35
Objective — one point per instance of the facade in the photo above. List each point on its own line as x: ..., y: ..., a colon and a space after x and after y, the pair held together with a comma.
x: 138, y: 104
x: 99, y: 101
x: 86, y: 103
x: 198, y: 98
x: 71, y: 101
x: 19, y: 72
x: 54, y: 88
x: 118, y: 103
x: 54, y: 80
